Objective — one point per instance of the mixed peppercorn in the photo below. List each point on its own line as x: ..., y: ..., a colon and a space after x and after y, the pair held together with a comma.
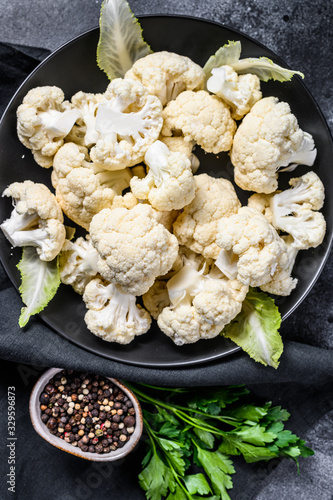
x: 87, y: 411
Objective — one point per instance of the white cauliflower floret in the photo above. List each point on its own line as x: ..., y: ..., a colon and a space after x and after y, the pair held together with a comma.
x: 196, y: 226
x: 169, y: 184
x: 240, y: 92
x: 295, y: 211
x: 166, y: 74
x: 177, y: 144
x: 255, y: 246
x: 112, y: 315
x: 44, y: 119
x: 36, y: 220
x: 82, y: 188
x: 86, y: 104
x: 200, y: 304
x: 269, y: 138
x: 128, y: 122
x: 200, y: 117
x: 78, y: 263
x: 261, y: 202
x: 282, y: 283
x: 157, y: 298
x: 134, y: 248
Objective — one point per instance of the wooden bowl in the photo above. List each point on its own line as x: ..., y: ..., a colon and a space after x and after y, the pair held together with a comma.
x: 43, y: 431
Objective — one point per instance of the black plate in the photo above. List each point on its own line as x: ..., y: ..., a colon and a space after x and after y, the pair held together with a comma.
x: 73, y: 67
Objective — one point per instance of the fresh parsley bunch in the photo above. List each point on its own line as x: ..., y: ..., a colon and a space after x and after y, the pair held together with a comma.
x: 188, y: 428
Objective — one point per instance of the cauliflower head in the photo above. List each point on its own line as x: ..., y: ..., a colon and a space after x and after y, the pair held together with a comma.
x: 169, y: 184
x: 36, y: 219
x: 166, y: 74
x: 200, y: 304
x: 82, y: 188
x: 202, y: 118
x: 127, y: 122
x: 240, y: 92
x: 269, y: 138
x: 255, y: 245
x: 112, y: 315
x: 261, y: 202
x: 44, y: 119
x: 78, y: 263
x: 196, y: 227
x: 133, y: 247
x: 295, y: 211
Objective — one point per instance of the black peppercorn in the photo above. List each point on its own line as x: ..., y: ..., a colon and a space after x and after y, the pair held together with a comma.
x: 44, y: 418
x: 51, y: 423
x: 44, y: 398
x: 129, y: 421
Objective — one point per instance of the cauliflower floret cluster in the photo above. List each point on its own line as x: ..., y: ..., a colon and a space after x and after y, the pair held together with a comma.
x: 162, y: 241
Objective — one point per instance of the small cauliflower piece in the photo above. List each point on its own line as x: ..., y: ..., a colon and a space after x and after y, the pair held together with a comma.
x: 282, y: 283
x: 177, y: 144
x: 134, y: 248
x: 44, y: 119
x: 112, y: 315
x: 295, y: 211
x: 166, y: 74
x: 128, y: 122
x: 196, y: 226
x: 78, y: 263
x: 255, y: 245
x: 200, y: 304
x: 36, y: 220
x: 86, y: 104
x: 269, y: 138
x: 261, y: 202
x: 202, y: 118
x: 82, y: 188
x: 157, y: 298
x: 240, y: 92
x: 169, y: 184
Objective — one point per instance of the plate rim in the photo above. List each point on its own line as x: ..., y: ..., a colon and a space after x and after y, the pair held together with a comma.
x: 233, y: 349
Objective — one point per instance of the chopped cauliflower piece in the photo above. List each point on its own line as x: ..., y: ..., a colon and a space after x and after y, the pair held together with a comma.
x: 36, y: 220
x: 200, y: 117
x: 128, y: 122
x: 134, y: 248
x: 177, y: 144
x: 166, y: 74
x: 255, y: 242
x: 82, y: 188
x: 196, y: 226
x: 44, y: 119
x: 200, y: 304
x: 169, y: 184
x: 295, y: 211
x: 240, y: 92
x: 261, y: 202
x: 78, y: 263
x: 112, y: 315
x: 282, y: 283
x: 269, y: 138
x: 86, y: 104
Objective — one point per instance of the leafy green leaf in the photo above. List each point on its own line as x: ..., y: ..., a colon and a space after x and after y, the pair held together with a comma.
x: 247, y: 413
x: 218, y: 468
x: 39, y: 282
x: 256, y: 329
x: 197, y: 483
x: 120, y: 43
x: 156, y: 479
x: 205, y: 436
x: 178, y: 494
x: 228, y: 54
x: 220, y: 396
x: 265, y: 69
